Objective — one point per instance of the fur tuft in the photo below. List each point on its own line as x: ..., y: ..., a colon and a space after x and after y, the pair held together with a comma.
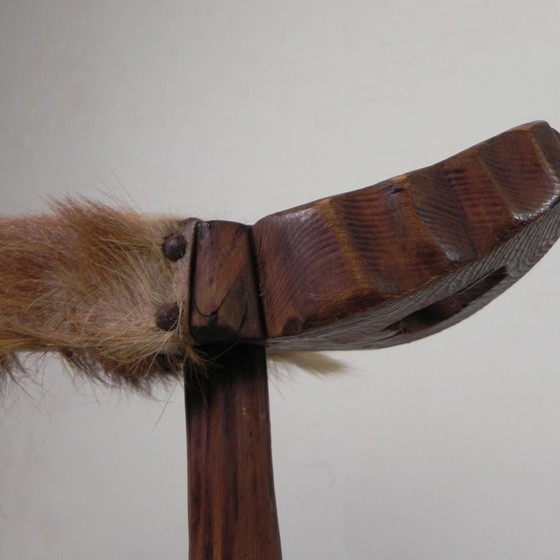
x: 312, y: 362
x: 88, y: 282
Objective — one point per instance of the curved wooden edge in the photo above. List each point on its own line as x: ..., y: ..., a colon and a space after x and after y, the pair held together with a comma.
x: 385, y: 264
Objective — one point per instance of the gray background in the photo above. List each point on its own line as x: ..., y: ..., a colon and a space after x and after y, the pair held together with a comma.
x: 448, y: 448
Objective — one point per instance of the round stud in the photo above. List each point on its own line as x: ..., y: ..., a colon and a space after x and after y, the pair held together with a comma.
x: 167, y: 318
x: 174, y: 247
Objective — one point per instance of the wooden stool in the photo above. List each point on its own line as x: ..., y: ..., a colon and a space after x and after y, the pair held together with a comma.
x: 372, y: 268
x: 133, y: 298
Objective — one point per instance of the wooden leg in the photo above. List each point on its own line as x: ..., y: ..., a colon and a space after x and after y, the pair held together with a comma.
x: 232, y: 508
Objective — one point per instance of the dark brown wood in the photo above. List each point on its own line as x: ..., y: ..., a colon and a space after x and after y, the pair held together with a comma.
x: 376, y: 267
x: 232, y: 509
x: 225, y: 302
x: 386, y: 264
x: 412, y: 255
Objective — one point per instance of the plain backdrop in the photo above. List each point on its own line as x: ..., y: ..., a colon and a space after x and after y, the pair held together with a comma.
x: 445, y: 449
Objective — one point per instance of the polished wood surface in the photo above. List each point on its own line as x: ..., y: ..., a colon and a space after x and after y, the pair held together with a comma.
x: 375, y: 267
x: 404, y: 258
x: 412, y: 255
x: 225, y: 303
x: 232, y: 508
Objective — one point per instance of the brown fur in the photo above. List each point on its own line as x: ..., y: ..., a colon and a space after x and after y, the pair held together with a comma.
x: 92, y: 283
x: 87, y: 282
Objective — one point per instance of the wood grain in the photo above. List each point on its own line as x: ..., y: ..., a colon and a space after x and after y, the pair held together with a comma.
x: 232, y: 508
x: 375, y: 267
x: 225, y: 302
x: 412, y: 255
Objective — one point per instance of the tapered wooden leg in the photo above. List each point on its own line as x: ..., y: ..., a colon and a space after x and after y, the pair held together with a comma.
x: 232, y: 508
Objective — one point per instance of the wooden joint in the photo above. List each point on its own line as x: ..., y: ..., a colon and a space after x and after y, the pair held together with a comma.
x: 385, y: 264
x: 225, y: 303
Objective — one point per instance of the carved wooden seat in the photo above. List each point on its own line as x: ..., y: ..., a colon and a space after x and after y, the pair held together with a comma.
x: 376, y: 267
x: 386, y: 264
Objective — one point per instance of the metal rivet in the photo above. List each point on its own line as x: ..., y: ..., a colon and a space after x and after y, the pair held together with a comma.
x: 167, y: 318
x: 174, y: 247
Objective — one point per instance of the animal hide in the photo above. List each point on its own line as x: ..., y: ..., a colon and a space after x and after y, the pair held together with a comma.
x: 92, y: 283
